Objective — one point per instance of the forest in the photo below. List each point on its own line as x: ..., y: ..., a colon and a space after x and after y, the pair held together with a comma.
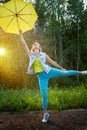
x: 61, y: 29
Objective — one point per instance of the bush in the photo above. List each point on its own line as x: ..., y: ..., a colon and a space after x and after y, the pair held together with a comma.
x: 30, y: 99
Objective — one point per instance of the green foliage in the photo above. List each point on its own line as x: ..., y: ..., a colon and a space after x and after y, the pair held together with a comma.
x: 30, y: 99
x: 72, y: 98
x: 19, y: 100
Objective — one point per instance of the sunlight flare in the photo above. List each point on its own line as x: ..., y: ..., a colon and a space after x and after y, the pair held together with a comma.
x: 2, y: 51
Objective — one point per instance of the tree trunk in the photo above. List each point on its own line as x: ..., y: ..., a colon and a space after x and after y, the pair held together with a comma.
x: 59, y: 45
x: 78, y: 52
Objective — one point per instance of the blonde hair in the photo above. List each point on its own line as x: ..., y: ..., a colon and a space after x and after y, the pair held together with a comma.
x: 32, y: 49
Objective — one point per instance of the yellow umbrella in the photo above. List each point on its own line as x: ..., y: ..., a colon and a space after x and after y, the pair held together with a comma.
x: 17, y: 14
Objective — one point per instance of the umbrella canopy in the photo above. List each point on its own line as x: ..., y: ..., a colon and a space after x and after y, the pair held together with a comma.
x: 17, y: 14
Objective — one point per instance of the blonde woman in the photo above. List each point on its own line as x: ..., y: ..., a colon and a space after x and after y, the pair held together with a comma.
x: 44, y: 72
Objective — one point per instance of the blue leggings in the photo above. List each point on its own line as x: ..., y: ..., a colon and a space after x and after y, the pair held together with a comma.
x: 44, y: 77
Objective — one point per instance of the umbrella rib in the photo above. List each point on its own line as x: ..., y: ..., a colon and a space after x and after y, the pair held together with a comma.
x: 29, y: 14
x: 23, y: 8
x: 24, y: 21
x: 10, y: 22
x: 8, y: 9
x: 6, y: 16
x: 33, y: 15
x: 15, y: 6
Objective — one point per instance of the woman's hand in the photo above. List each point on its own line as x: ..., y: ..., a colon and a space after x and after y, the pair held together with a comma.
x: 20, y: 31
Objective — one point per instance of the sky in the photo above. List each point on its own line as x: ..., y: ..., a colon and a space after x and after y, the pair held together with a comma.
x: 85, y: 1
x: 30, y: 0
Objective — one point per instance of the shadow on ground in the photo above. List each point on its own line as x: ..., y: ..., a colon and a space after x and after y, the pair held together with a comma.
x: 63, y: 120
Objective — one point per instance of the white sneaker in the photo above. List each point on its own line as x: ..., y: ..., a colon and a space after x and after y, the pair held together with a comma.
x: 84, y: 72
x: 45, y: 117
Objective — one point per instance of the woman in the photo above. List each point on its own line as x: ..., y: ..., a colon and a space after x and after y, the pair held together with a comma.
x: 37, y: 65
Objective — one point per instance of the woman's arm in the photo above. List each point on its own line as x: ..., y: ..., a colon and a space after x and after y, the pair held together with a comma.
x: 24, y: 43
x: 54, y: 63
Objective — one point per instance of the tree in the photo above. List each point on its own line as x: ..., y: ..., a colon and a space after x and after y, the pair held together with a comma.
x: 4, y: 1
x: 51, y: 17
x: 75, y: 10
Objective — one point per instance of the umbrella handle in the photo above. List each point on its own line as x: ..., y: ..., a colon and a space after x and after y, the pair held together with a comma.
x: 20, y: 31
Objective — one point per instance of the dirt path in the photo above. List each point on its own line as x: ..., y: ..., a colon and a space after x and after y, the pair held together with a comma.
x: 64, y: 120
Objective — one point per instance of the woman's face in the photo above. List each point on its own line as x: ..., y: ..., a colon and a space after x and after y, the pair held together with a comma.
x: 36, y: 47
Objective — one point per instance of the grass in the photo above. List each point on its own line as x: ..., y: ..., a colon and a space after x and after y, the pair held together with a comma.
x: 72, y: 98
x: 30, y: 99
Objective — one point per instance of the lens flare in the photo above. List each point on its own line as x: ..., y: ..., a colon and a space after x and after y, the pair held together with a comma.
x: 2, y: 51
